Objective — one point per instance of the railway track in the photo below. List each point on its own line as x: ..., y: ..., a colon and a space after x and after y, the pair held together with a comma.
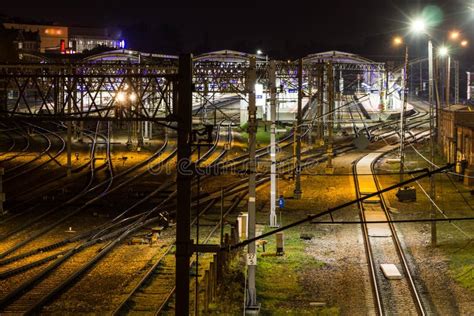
x: 60, y: 258
x: 107, y: 183
x: 115, y: 232
x: 382, y: 243
x: 59, y: 217
x: 16, y: 171
x: 21, y: 133
x: 30, y: 284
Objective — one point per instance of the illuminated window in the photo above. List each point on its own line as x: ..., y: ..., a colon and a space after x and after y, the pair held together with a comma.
x: 53, y: 31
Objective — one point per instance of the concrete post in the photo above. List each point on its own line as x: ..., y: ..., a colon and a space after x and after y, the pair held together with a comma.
x: 273, y: 171
x: 252, y: 305
x: 432, y: 137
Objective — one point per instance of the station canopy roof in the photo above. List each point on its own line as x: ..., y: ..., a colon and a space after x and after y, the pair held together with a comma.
x: 338, y: 57
x: 127, y: 55
x: 227, y: 56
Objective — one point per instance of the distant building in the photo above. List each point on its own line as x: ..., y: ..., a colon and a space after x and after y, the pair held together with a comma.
x: 457, y: 138
x: 13, y: 43
x: 51, y: 36
x: 85, y: 38
x: 65, y: 39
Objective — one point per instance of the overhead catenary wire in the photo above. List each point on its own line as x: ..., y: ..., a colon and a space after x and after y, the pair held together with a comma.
x: 349, y: 203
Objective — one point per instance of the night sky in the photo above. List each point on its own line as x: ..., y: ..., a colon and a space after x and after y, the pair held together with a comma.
x: 282, y: 31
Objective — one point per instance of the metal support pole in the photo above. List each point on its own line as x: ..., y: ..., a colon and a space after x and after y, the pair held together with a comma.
x: 140, y: 141
x: 310, y: 108
x: 139, y: 105
x: 330, y: 122
x: 196, y: 260
x: 81, y: 123
x: 2, y: 195
x: 183, y: 215
x: 432, y: 131
x: 252, y: 306
x: 129, y: 134
x: 387, y: 78
x: 402, y: 115
x: 320, y: 111
x: 69, y: 131
x: 448, y: 81
x: 273, y: 171
x: 222, y: 217
x: 456, y: 81
x: 421, y: 80
x: 297, y: 192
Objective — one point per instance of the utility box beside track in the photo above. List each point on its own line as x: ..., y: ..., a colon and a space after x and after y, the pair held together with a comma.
x: 406, y: 194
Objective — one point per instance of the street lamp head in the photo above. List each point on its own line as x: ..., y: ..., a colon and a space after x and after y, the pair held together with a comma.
x: 443, y: 51
x: 464, y: 43
x: 259, y: 52
x: 418, y: 26
x: 397, y: 40
x: 454, y: 35
x: 120, y: 96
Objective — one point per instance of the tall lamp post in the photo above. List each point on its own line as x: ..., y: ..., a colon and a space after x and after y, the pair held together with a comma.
x: 397, y: 42
x: 419, y: 26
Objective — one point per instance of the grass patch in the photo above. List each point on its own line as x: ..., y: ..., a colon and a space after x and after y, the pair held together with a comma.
x: 461, y: 262
x: 279, y: 285
x: 453, y: 244
x: 263, y: 134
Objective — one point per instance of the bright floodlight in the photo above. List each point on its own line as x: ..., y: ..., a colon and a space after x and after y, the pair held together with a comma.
x: 418, y: 26
x: 397, y: 40
x: 454, y: 35
x: 133, y: 97
x: 464, y: 43
x: 443, y: 51
x: 259, y: 52
x: 120, y: 97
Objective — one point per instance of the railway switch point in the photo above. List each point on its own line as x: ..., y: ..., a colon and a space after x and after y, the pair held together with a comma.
x: 391, y: 271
